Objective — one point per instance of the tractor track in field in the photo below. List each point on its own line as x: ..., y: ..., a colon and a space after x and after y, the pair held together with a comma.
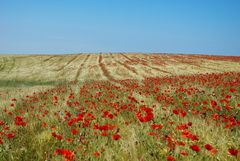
x: 104, y: 70
x: 155, y: 68
x: 3, y: 64
x: 126, y: 57
x: 125, y: 65
x: 200, y: 66
x: 144, y: 63
x: 157, y: 60
x: 62, y: 67
x: 56, y: 61
x: 160, y: 70
x: 13, y: 62
x: 49, y: 58
x: 185, y: 60
x: 81, y: 66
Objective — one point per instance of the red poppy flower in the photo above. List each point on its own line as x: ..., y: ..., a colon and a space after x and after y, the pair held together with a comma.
x: 232, y: 90
x: 182, y: 127
x: 213, y: 103
x: 110, y: 116
x: 104, y: 133
x: 6, y: 127
x: 14, y: 99
x: 156, y: 126
x: 96, y: 154
x: 195, y: 148
x: 208, y: 147
x: 183, y: 152
x: 215, y: 116
x: 116, y: 136
x: 1, y: 123
x: 69, y: 140
x: 189, y: 123
x: 74, y: 131
x: 183, y: 113
x: 233, y: 151
x: 148, y: 116
x: 58, y: 137
x: 175, y: 112
x: 10, y: 135
x: 19, y: 121
x: 180, y: 143
x: 1, y: 141
x: 151, y: 133
x: 44, y: 124
x: 170, y: 158
x: 68, y: 155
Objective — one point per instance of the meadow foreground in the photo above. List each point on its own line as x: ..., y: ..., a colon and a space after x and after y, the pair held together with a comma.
x: 119, y: 107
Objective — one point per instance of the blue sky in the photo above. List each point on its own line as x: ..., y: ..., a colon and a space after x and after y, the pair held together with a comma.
x: 73, y: 26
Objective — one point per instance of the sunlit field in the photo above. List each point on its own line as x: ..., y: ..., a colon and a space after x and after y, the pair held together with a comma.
x: 119, y: 106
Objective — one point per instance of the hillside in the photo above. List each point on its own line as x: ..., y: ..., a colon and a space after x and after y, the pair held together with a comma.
x: 119, y: 107
x: 51, y: 68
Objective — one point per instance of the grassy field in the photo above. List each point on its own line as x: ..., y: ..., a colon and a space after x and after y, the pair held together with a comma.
x: 119, y: 106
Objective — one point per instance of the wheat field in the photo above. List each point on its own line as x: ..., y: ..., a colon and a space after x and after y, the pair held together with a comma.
x: 119, y: 106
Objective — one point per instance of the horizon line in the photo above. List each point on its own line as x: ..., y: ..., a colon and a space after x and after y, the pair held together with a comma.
x: 73, y: 53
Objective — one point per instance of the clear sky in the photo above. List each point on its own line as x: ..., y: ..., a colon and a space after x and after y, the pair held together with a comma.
x: 73, y: 26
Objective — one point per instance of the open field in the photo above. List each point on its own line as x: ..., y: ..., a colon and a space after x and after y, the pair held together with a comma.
x: 54, y: 68
x: 119, y: 107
